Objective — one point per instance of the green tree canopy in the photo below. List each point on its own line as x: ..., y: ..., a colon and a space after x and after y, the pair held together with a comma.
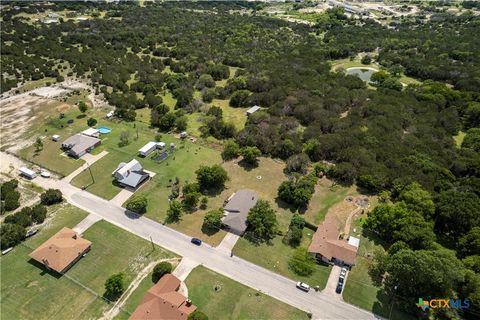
x: 262, y: 221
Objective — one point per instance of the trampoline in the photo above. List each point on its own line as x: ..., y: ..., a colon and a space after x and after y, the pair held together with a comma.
x: 104, y: 130
x: 160, y: 157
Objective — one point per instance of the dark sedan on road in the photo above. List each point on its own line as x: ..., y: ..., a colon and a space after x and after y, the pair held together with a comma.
x: 196, y: 241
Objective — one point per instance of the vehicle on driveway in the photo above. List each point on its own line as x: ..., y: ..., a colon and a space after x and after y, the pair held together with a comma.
x: 339, y: 288
x: 343, y: 272
x: 303, y: 286
x: 196, y: 241
x: 341, y: 280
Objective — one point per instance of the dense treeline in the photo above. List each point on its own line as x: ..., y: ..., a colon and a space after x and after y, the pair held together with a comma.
x: 397, y: 141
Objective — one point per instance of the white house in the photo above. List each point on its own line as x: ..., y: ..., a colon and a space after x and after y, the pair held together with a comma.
x: 130, y: 174
x: 27, y: 173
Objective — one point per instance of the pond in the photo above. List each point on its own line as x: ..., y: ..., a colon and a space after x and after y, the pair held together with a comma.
x: 364, y: 73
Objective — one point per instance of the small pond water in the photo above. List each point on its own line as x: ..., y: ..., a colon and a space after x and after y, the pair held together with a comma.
x: 363, y: 73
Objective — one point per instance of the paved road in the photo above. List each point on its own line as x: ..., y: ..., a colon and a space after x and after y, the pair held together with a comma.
x: 320, y: 305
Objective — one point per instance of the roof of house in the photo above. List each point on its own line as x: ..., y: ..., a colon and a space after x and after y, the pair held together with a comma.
x: 237, y: 209
x: 130, y: 174
x: 147, y: 147
x: 25, y: 170
x: 61, y: 249
x: 326, y: 242
x: 91, y: 132
x: 79, y: 143
x: 164, y: 302
x: 253, y: 109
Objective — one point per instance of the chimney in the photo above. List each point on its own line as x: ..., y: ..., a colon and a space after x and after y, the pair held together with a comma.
x: 188, y: 302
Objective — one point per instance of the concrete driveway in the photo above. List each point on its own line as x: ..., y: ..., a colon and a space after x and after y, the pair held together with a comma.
x: 332, y: 283
x: 321, y: 305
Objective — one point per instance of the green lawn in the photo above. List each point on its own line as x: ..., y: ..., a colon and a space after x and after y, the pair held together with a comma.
x: 40, y: 295
x: 237, y: 116
x: 135, y: 298
x: 360, y: 290
x: 30, y: 85
x: 234, y: 300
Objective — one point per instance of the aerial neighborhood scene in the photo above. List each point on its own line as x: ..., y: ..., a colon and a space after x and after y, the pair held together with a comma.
x: 263, y: 160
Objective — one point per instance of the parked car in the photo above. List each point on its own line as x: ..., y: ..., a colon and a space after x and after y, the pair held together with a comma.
x: 196, y: 241
x: 340, y: 280
x: 339, y: 288
x: 343, y: 272
x: 303, y: 286
x: 31, y: 233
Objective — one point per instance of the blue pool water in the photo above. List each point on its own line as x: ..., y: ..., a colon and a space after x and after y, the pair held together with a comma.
x: 104, y: 130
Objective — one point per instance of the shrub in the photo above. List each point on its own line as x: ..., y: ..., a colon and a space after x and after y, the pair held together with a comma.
x: 22, y: 218
x: 39, y: 213
x: 137, y: 204
x: 203, y: 202
x: 213, y: 219
x: 11, y: 200
x: 251, y: 154
x: 51, y: 196
x: 114, y: 286
x: 213, y: 177
x: 91, y: 122
x: 161, y: 269
x: 231, y: 150
x: 11, y: 235
x: 174, y: 211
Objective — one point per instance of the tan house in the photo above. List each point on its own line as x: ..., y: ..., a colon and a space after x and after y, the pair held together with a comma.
x: 164, y: 302
x: 327, y: 245
x: 61, y: 251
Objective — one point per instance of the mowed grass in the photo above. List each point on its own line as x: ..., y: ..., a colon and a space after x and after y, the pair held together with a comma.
x: 37, y: 294
x: 360, y: 290
x: 234, y: 300
x: 135, y: 298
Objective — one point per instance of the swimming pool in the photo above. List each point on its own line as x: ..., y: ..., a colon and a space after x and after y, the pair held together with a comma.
x: 104, y: 130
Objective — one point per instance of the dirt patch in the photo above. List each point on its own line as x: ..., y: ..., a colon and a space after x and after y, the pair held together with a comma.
x: 63, y: 108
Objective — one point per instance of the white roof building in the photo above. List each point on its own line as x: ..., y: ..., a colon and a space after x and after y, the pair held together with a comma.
x: 91, y: 132
x: 253, y: 110
x: 24, y: 171
x: 353, y: 241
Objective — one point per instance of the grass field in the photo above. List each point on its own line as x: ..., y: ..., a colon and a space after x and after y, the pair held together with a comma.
x: 42, y: 295
x: 30, y: 85
x: 135, y: 298
x: 360, y: 290
x: 234, y: 300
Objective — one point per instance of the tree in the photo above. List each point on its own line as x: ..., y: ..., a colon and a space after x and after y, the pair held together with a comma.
x: 203, y: 202
x: 197, y: 315
x: 231, y: 149
x: 215, y: 111
x: 472, y: 115
x: 39, y: 213
x: 298, y: 163
x: 407, y: 267
x: 51, y: 196
x: 239, y: 98
x: 457, y: 212
x: 167, y: 122
x: 124, y: 139
x: 11, y: 200
x: 301, y: 262
x: 262, y: 221
x: 418, y: 199
x: 157, y: 113
x: 343, y: 173
x: 213, y: 177
x: 138, y: 204
x: 160, y: 270
x: 250, y: 155
x: 366, y: 59
x: 91, y: 122
x: 114, y: 286
x: 469, y: 244
x: 82, y: 107
x: 472, y: 263
x: 38, y: 145
x: 11, y: 235
x: 8, y: 187
x: 472, y: 139
x: 181, y: 123
x: 213, y: 219
x: 174, y: 211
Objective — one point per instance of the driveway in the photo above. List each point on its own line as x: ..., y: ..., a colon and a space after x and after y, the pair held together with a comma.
x: 332, y: 283
x: 228, y: 242
x: 320, y: 305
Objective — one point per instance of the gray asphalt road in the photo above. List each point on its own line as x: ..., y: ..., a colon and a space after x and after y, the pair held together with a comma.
x: 320, y: 305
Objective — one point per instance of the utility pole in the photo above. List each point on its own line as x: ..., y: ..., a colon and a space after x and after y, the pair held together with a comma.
x: 91, y: 174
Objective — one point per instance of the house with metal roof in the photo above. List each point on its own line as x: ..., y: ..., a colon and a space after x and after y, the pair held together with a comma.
x: 79, y: 144
x: 236, y: 210
x: 61, y: 251
x: 130, y: 174
x: 252, y: 110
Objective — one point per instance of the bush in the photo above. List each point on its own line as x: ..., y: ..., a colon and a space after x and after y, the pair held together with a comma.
x: 302, y: 263
x: 51, y: 196
x: 11, y: 235
x: 213, y: 177
x: 114, y: 286
x: 91, y: 122
x: 203, y: 202
x: 251, y: 154
x: 161, y: 269
x: 11, y: 200
x: 22, y: 218
x: 174, y: 211
x: 8, y: 187
x: 137, y: 204
x: 231, y: 150
x: 239, y: 98
x: 366, y: 59
x: 39, y: 213
x: 213, y: 219
x: 298, y: 163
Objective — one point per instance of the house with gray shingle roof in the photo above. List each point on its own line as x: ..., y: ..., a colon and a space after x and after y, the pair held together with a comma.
x: 130, y: 174
x: 236, y: 210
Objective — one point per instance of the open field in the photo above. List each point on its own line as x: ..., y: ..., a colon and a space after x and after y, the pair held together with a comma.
x: 44, y: 295
x: 234, y: 300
